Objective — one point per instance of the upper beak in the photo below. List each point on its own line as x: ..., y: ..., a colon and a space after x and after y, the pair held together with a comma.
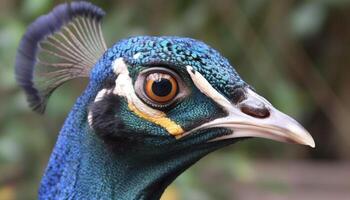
x: 256, y: 117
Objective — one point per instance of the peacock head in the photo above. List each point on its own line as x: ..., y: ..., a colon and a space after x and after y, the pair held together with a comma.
x: 174, y: 93
x: 167, y: 93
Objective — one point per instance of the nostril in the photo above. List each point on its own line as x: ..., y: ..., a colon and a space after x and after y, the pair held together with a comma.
x: 258, y: 111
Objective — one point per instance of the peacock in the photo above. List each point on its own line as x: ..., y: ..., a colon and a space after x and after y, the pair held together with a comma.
x: 153, y: 106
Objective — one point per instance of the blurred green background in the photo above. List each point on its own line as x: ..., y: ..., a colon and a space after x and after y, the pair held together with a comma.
x: 295, y: 53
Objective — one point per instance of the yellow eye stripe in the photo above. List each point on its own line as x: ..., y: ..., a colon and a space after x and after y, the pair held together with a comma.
x: 172, y: 128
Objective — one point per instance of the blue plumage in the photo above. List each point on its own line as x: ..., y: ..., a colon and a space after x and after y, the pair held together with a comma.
x: 44, y: 26
x: 180, y: 52
x: 121, y: 139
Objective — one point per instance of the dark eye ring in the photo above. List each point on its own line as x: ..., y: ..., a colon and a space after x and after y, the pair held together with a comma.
x: 160, y: 87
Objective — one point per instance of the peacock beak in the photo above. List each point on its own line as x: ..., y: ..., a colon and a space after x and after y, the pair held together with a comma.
x: 256, y: 117
x: 252, y: 117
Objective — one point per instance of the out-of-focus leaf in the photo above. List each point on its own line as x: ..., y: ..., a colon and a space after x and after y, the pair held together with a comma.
x: 307, y: 19
x: 7, y: 193
x: 9, y: 149
x: 10, y: 34
x: 286, y: 97
x: 35, y: 7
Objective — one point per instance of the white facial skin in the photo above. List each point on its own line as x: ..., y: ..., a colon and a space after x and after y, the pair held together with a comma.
x: 276, y: 126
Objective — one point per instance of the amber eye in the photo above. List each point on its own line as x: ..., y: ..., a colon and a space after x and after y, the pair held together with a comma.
x: 161, y: 87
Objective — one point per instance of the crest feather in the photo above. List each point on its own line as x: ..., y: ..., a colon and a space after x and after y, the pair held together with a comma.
x: 59, y: 46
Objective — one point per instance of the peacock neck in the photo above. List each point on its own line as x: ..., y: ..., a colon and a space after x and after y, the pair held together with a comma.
x: 82, y: 166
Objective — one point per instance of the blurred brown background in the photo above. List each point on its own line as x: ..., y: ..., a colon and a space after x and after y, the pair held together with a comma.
x: 295, y: 53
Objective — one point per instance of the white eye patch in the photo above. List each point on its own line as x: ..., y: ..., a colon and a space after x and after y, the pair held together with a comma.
x: 124, y: 88
x: 205, y: 87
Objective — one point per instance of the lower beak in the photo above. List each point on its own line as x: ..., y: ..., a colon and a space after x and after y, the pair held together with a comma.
x: 256, y: 117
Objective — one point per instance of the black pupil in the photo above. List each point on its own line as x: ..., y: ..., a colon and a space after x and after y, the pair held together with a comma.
x: 162, y: 87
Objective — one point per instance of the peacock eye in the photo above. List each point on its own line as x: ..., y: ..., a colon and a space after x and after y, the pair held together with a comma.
x: 160, y: 87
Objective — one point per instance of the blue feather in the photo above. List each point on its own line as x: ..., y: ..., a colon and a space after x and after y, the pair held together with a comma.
x: 44, y: 26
